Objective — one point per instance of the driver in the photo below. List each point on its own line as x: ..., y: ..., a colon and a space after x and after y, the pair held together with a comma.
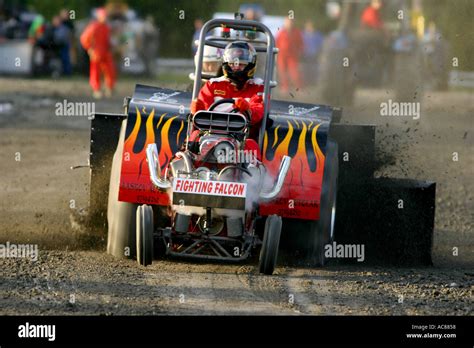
x: 238, y: 64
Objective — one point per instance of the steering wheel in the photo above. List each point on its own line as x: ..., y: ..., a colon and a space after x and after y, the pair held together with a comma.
x: 228, y: 101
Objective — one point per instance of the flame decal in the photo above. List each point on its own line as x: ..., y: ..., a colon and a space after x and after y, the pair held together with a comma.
x: 317, y: 151
x: 130, y: 141
x: 150, y: 133
x: 165, y: 152
x: 276, y: 136
x: 296, y: 122
x: 161, y: 119
x: 301, y: 143
x: 283, y: 148
x: 299, y: 140
x: 167, y: 131
x: 179, y: 132
x: 265, y: 142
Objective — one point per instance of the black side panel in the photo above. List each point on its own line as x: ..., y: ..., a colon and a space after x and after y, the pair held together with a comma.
x: 356, y: 145
x: 105, y: 129
x: 392, y: 218
x: 368, y: 210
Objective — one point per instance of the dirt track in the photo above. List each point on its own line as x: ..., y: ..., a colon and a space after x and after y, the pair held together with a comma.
x: 37, y: 193
x: 99, y: 284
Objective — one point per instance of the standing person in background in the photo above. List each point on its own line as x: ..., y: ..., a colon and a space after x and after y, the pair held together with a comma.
x: 371, y: 16
x: 313, y: 42
x: 36, y: 29
x: 67, y: 48
x: 197, y: 31
x: 290, y: 43
x: 96, y: 41
x: 62, y: 38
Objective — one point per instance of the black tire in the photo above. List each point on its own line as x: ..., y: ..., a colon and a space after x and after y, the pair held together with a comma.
x: 271, y: 242
x: 323, y: 230
x: 303, y: 241
x: 120, y: 215
x: 144, y: 235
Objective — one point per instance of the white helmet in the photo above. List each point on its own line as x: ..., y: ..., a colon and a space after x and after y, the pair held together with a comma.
x: 211, y: 55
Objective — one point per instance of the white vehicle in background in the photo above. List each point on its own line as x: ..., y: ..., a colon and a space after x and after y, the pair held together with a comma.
x: 274, y: 23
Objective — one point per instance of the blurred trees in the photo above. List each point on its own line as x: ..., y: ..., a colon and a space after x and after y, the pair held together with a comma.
x: 455, y: 21
x: 174, y: 18
x: 453, y: 18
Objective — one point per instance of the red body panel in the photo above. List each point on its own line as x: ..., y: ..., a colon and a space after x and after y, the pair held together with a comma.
x: 301, y: 192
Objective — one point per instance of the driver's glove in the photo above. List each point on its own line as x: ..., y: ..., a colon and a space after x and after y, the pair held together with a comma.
x: 242, y: 104
x: 196, y: 105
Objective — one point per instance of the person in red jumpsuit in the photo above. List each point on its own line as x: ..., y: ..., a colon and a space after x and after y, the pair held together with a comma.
x: 290, y: 43
x: 371, y: 16
x: 96, y: 41
x: 239, y: 63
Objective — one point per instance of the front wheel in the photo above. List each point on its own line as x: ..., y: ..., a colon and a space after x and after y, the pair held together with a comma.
x: 271, y: 242
x: 144, y: 235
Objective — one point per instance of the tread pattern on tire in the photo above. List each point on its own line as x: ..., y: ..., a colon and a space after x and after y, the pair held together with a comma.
x: 270, y: 245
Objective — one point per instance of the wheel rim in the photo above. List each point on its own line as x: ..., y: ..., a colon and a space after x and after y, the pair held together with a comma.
x: 333, y: 219
x: 142, y: 235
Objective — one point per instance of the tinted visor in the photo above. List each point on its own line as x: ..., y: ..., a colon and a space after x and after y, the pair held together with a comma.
x: 237, y: 55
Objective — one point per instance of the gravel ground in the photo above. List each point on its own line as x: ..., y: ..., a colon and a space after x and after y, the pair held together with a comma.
x: 38, y: 193
x: 94, y: 283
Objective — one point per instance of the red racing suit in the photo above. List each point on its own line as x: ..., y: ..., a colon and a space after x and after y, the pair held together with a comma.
x: 222, y: 88
x: 371, y: 18
x: 96, y: 38
x: 291, y: 46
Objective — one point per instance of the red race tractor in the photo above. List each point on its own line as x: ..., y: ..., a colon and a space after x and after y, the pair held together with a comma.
x: 208, y: 199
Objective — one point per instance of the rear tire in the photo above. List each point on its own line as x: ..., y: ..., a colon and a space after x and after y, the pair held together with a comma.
x: 120, y: 215
x: 271, y: 242
x: 323, y: 230
x: 304, y: 241
x: 144, y: 235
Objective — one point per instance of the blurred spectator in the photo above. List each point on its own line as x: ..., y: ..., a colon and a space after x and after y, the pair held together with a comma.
x: 197, y: 31
x: 313, y: 42
x: 96, y: 41
x: 431, y: 38
x: 9, y: 22
x: 150, y: 44
x: 71, y: 52
x: 290, y: 43
x: 36, y: 29
x: 45, y: 51
x: 251, y: 15
x: 66, y: 20
x: 371, y: 16
x: 62, y: 39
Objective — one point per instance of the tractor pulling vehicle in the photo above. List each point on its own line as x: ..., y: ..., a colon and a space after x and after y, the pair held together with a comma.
x: 168, y: 197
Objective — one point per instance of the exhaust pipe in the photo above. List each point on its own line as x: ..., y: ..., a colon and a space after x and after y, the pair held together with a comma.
x: 154, y: 168
x: 284, y: 167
